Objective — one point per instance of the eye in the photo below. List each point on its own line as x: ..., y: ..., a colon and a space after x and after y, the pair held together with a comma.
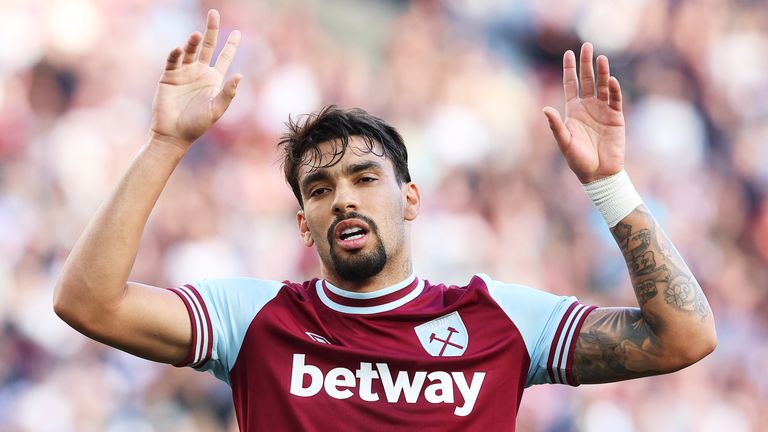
x: 367, y: 179
x: 319, y: 191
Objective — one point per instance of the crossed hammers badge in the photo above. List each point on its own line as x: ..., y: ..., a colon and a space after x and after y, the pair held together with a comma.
x: 445, y: 336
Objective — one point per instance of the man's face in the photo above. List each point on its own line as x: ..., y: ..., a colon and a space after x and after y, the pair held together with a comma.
x: 355, y: 212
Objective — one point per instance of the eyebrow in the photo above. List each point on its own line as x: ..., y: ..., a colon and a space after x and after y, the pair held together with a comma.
x: 362, y: 166
x: 322, y: 174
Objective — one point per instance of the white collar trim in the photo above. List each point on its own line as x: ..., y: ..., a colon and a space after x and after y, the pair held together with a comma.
x: 367, y: 310
x: 373, y: 294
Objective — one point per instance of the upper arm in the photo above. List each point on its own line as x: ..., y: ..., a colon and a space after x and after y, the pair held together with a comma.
x: 617, y: 344
x: 149, y: 322
x: 201, y: 325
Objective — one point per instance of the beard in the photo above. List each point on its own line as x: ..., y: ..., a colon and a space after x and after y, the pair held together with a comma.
x: 360, y: 265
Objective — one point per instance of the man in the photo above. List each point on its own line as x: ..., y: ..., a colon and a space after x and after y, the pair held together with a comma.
x: 369, y: 345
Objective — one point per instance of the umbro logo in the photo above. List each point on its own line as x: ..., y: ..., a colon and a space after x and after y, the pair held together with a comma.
x: 317, y: 338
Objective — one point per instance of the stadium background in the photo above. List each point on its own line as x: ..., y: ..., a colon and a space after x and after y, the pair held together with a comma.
x: 465, y: 82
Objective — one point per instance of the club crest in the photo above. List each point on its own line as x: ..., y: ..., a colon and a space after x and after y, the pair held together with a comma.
x: 444, y: 337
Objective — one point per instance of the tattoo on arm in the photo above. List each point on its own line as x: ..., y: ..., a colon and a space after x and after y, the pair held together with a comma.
x: 622, y: 343
x: 646, y: 290
x: 655, y: 265
x: 615, y: 344
x: 643, y: 264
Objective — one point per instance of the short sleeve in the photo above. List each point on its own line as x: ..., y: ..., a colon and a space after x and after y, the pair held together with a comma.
x: 549, y: 325
x: 220, y: 312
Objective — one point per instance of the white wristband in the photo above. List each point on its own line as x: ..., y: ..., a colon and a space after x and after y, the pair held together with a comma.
x: 615, y: 197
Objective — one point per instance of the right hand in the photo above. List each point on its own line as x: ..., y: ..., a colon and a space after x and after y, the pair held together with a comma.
x: 190, y: 96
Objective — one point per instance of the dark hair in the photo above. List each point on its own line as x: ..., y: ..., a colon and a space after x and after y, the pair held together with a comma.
x: 301, y: 143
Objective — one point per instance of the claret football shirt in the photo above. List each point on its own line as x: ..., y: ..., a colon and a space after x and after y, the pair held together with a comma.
x: 417, y: 355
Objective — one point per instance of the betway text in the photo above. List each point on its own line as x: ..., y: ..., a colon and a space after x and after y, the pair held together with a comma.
x: 342, y: 383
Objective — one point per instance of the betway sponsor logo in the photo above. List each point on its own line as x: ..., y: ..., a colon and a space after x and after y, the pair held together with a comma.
x: 342, y: 383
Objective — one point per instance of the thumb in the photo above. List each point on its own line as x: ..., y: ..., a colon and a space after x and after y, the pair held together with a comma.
x: 561, y: 133
x: 224, y: 98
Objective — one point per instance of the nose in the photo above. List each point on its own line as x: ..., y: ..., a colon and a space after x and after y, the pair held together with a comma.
x: 344, y: 200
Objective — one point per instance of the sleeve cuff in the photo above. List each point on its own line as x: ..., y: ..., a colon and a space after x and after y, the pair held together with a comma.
x: 563, y: 345
x: 202, y: 335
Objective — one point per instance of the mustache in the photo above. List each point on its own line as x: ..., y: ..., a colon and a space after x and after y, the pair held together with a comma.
x: 350, y: 215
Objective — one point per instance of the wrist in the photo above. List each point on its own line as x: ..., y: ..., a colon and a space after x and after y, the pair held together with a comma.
x: 168, y: 140
x: 166, y: 146
x: 614, y: 196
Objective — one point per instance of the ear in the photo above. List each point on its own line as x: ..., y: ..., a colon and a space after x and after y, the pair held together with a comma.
x: 306, y: 236
x: 412, y: 201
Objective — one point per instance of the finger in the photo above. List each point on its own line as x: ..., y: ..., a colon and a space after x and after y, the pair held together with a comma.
x: 615, y: 94
x: 570, y: 81
x: 224, y: 98
x: 227, y: 54
x: 173, y: 59
x: 210, y: 37
x: 190, y: 50
x: 603, y: 75
x: 562, y: 136
x: 586, y: 71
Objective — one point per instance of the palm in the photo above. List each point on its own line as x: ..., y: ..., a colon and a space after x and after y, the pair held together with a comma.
x: 184, y: 101
x: 191, y: 94
x: 592, y: 136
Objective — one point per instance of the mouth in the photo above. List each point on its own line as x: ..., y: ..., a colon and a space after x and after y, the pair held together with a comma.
x: 351, y: 234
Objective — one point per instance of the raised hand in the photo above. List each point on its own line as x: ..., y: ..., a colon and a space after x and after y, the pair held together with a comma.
x: 592, y: 137
x: 192, y: 94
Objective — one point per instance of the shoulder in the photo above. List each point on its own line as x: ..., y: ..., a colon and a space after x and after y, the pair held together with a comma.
x: 481, y: 288
x: 515, y: 296
x: 246, y: 286
x: 239, y: 295
x: 504, y: 295
x: 221, y: 311
x: 240, y: 283
x: 549, y: 325
x: 483, y: 283
x: 533, y: 310
x: 476, y: 282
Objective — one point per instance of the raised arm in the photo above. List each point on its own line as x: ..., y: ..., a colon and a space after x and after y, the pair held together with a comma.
x: 92, y: 293
x: 673, y: 327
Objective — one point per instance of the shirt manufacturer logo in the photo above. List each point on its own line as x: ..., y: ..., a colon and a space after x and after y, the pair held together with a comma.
x: 317, y: 338
x: 445, y: 336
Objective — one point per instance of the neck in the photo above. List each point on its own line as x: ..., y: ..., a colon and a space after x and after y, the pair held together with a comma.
x: 390, y: 275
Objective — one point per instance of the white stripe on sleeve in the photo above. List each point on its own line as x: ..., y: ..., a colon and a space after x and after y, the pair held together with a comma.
x: 200, y: 325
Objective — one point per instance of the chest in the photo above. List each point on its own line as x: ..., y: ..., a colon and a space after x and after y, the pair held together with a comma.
x: 435, y: 361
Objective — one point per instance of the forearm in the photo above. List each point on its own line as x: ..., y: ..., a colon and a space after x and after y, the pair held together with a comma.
x: 94, y: 275
x: 671, y: 301
x: 672, y: 329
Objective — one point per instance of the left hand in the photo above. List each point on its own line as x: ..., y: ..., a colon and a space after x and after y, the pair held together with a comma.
x: 592, y: 138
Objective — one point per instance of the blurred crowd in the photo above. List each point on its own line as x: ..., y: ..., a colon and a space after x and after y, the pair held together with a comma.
x: 464, y: 81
